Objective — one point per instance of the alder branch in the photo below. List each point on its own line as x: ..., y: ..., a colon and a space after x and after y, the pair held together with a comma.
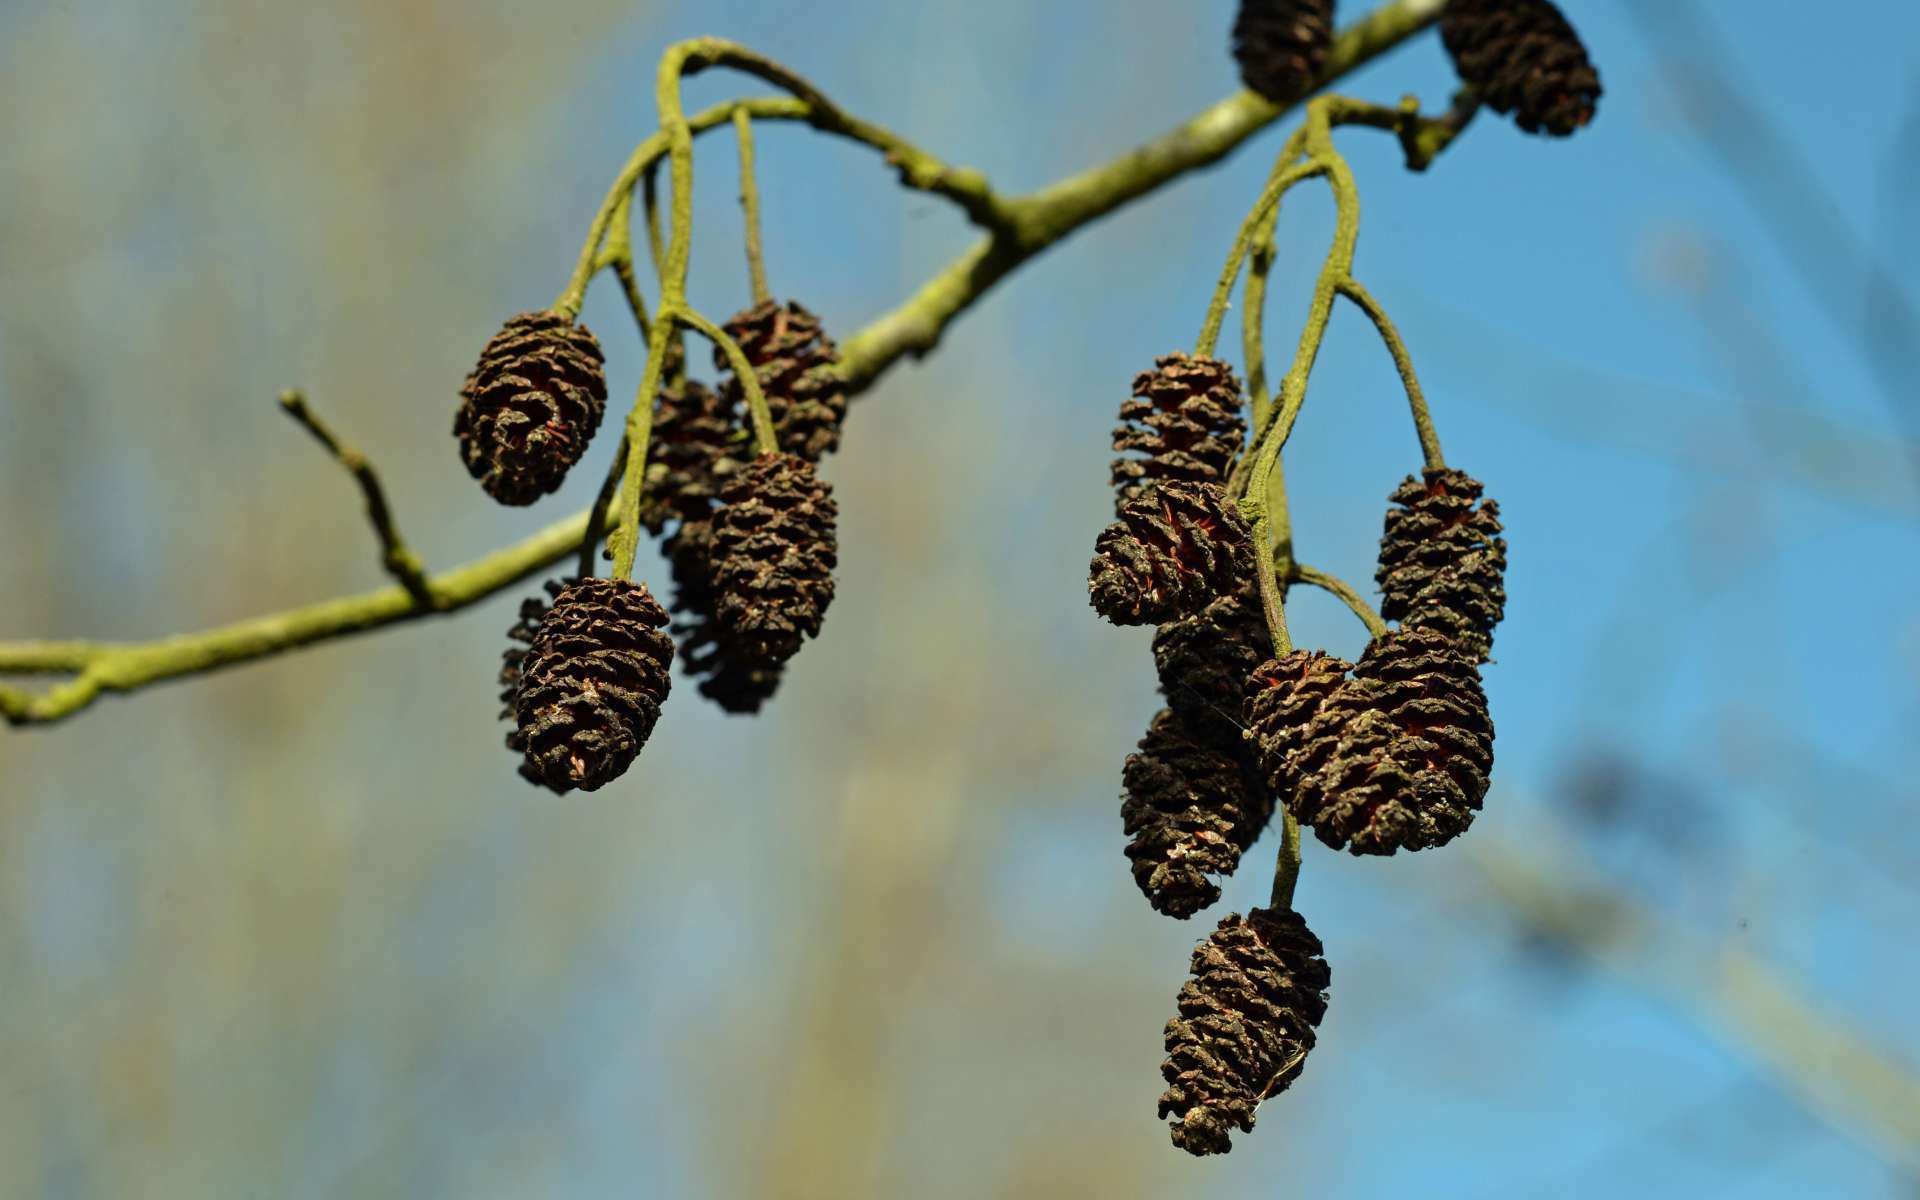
x: 1020, y: 228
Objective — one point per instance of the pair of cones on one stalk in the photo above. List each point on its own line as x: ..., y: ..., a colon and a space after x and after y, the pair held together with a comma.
x: 1518, y: 56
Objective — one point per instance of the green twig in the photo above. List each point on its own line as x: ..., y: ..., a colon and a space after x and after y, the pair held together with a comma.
x: 1282, y: 179
x: 1286, y: 865
x: 395, y: 555
x: 597, y: 515
x: 750, y: 207
x: 624, y: 540
x: 1403, y: 363
x: 1253, y: 313
x: 1340, y: 588
x: 764, y: 438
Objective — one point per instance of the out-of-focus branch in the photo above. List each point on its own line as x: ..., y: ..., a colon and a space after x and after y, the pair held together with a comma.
x: 1835, y: 264
x: 1859, y: 1089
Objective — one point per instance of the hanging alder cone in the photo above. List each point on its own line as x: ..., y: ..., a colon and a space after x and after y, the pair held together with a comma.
x: 1397, y: 758
x: 513, y: 660
x: 728, y: 675
x: 1282, y: 697
x: 773, y: 556
x: 531, y: 406
x: 591, y: 684
x: 1191, y: 811
x: 1175, y: 548
x: 1183, y: 421
x: 1523, y: 57
x: 1204, y: 660
x: 1443, y: 563
x: 794, y: 360
x: 696, y: 445
x: 1282, y: 45
x: 1246, y: 1024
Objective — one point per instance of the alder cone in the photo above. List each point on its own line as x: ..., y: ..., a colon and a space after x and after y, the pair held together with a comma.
x: 533, y: 611
x: 1397, y: 758
x: 1190, y: 810
x: 1176, y: 547
x: 1523, y: 57
x: 530, y: 406
x: 1183, y: 421
x: 1283, y: 696
x: 1282, y: 45
x: 794, y: 360
x: 591, y: 684
x: 1203, y: 662
x: 729, y: 676
x: 1443, y: 563
x: 696, y: 445
x: 774, y: 550
x: 1246, y: 1023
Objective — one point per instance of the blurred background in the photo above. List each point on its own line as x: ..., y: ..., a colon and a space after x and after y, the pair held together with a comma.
x: 298, y: 930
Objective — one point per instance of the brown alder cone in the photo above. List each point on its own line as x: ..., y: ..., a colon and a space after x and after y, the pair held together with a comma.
x: 513, y: 660
x: 1282, y: 45
x: 1176, y: 547
x: 1246, y: 1023
x: 1398, y: 757
x: 728, y: 674
x: 1183, y: 422
x: 1203, y: 662
x: 696, y: 445
x: 1523, y: 57
x: 793, y: 358
x: 1190, y: 810
x: 530, y: 406
x: 1443, y: 562
x: 591, y: 684
x: 773, y: 554
x: 1282, y: 697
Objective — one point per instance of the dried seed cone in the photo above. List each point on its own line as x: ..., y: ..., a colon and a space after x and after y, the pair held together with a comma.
x: 592, y: 683
x: 1524, y: 58
x: 1282, y: 698
x: 1398, y: 758
x: 1176, y: 547
x: 1281, y: 45
x: 531, y: 406
x: 1184, y: 423
x: 774, y: 550
x: 696, y: 445
x: 1204, y: 660
x: 513, y: 660
x: 1443, y: 563
x: 794, y: 360
x: 728, y: 675
x: 1190, y: 811
x: 1246, y: 1023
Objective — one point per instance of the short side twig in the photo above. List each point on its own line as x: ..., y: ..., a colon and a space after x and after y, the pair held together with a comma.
x: 395, y: 555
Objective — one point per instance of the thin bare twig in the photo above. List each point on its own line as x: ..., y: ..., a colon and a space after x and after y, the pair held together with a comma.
x: 395, y: 555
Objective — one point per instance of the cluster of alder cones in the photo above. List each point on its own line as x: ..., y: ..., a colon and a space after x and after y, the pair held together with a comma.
x: 1385, y: 754
x: 750, y: 536
x: 1389, y: 753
